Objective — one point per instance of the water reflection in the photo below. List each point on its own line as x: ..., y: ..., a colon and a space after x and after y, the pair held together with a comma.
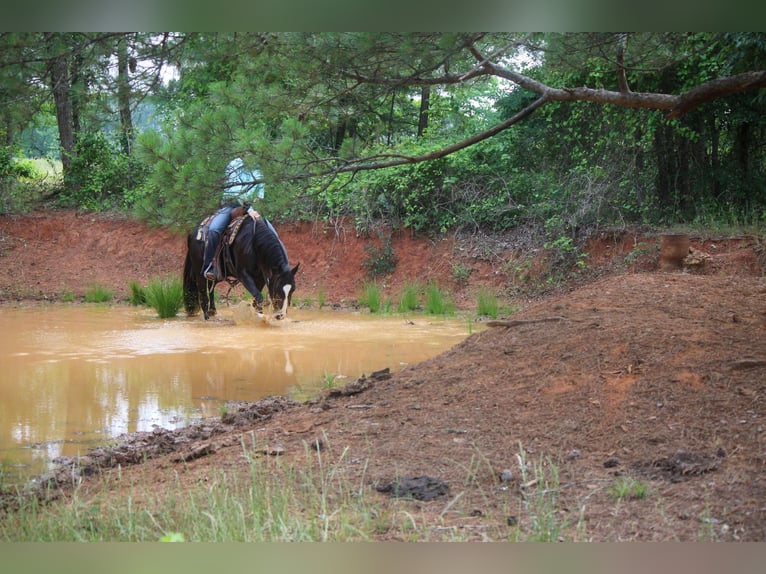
x: 75, y: 376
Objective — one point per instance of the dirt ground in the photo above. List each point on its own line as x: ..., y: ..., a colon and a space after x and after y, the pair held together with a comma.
x: 629, y: 372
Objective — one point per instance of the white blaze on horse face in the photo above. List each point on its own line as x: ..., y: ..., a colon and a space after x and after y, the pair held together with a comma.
x: 286, y: 289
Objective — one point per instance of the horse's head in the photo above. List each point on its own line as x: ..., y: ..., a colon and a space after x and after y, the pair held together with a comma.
x: 281, y: 290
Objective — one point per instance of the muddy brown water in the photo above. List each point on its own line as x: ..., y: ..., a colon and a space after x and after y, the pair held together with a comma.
x: 75, y: 377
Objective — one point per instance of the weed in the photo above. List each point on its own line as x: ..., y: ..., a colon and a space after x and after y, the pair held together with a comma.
x: 67, y: 296
x: 437, y: 301
x: 409, y: 299
x: 461, y: 273
x: 137, y: 294
x: 539, y: 485
x: 98, y: 294
x: 328, y: 380
x: 321, y: 297
x: 629, y: 488
x: 166, y: 296
x: 486, y: 304
x: 371, y: 297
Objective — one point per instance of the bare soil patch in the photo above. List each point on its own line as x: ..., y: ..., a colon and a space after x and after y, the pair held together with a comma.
x: 631, y: 372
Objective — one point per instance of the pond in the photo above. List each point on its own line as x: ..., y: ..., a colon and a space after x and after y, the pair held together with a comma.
x: 74, y: 377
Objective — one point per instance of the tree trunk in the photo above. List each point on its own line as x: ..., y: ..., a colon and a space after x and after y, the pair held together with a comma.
x: 60, y: 85
x: 123, y: 96
x: 425, y: 100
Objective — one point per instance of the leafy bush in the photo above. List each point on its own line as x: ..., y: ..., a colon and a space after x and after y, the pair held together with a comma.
x: 101, y: 176
x: 381, y: 260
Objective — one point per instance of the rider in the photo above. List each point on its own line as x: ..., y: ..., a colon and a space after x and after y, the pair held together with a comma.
x: 239, y: 187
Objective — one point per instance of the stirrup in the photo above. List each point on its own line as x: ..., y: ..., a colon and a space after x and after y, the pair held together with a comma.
x: 209, y: 273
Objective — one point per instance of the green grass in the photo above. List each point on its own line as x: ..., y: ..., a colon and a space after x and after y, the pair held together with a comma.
x: 98, y: 294
x: 137, y: 294
x: 166, y: 296
x: 270, y: 500
x: 67, y: 296
x: 371, y: 297
x: 486, y: 304
x: 438, y: 301
x: 314, y: 495
x: 624, y: 488
x: 321, y: 297
x: 409, y: 300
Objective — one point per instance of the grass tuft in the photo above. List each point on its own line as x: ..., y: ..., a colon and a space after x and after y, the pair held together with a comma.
x: 409, y: 300
x: 98, y: 294
x: 166, y: 296
x: 486, y: 304
x: 438, y: 301
x: 372, y: 297
x: 137, y: 294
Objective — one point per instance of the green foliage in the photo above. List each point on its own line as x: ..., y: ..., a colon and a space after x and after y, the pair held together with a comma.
x: 371, y: 297
x: 437, y: 301
x: 100, y: 177
x: 67, y: 296
x: 292, y: 104
x: 381, y: 260
x: 461, y: 273
x: 486, y: 304
x: 629, y: 488
x: 98, y: 294
x: 137, y: 294
x: 20, y: 180
x: 166, y: 296
x: 409, y: 300
x: 173, y: 537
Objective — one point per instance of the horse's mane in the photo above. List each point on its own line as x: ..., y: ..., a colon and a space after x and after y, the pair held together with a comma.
x: 272, y: 249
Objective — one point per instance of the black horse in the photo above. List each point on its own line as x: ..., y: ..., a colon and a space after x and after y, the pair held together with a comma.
x: 255, y: 258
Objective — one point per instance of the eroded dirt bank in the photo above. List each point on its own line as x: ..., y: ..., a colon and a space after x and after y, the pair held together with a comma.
x: 656, y: 376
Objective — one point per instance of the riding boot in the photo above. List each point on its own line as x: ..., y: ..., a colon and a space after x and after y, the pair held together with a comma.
x: 209, y: 268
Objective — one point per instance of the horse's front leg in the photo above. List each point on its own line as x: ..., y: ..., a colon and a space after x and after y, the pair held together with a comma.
x: 254, y: 286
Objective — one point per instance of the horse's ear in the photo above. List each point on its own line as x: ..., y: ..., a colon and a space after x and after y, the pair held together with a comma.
x: 295, y: 269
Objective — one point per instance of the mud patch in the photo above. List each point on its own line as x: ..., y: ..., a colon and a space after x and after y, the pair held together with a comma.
x: 423, y: 488
x: 683, y: 465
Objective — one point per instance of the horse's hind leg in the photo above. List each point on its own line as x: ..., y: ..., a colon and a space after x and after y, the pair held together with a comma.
x: 211, y: 299
x: 206, y: 301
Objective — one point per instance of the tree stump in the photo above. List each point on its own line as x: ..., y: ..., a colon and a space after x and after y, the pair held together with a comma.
x: 673, y: 249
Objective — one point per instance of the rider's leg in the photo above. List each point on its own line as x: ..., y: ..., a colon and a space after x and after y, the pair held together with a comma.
x: 211, y: 244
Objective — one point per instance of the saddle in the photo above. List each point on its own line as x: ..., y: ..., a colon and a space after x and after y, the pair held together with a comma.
x: 222, y: 258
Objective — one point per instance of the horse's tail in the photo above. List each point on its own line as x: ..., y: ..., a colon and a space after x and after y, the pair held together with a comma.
x: 191, y: 295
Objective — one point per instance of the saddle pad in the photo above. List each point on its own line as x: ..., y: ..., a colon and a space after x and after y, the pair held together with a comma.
x: 203, y: 227
x: 233, y: 228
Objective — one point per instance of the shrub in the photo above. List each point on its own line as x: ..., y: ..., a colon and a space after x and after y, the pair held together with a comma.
x: 380, y: 260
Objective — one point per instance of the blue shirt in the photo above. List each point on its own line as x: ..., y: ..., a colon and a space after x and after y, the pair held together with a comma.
x: 238, y: 174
